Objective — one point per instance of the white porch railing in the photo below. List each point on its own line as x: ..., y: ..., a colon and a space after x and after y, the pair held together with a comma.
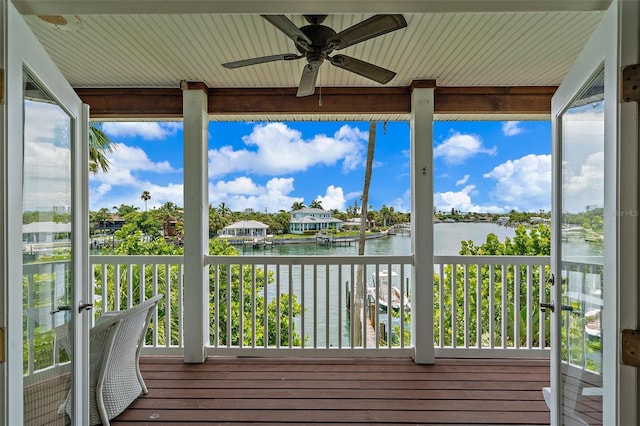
x: 495, y: 316
x: 318, y: 316
x: 496, y: 308
x: 308, y: 302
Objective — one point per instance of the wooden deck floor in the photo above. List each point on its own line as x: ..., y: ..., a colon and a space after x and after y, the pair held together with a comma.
x: 340, y: 391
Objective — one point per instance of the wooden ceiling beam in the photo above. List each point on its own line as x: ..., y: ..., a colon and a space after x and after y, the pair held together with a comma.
x: 152, y: 103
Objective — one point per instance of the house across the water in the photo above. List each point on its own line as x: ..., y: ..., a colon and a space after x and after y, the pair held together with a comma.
x: 312, y: 219
x: 245, y: 228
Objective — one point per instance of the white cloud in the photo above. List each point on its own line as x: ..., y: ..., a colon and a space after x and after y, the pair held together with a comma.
x: 147, y: 130
x: 587, y: 187
x: 511, y: 128
x: 123, y: 185
x: 461, y: 200
x: 402, y: 203
x: 126, y: 160
x: 458, y: 147
x: 463, y: 180
x: 47, y: 156
x: 242, y: 193
x: 524, y: 182
x: 333, y: 198
x: 275, y: 149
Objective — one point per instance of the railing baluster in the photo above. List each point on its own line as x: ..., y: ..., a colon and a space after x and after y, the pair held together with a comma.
x: 116, y: 296
x: 155, y: 314
x: 541, y: 316
x: 228, y: 307
x: 478, y: 306
x: 441, y: 305
x: 278, y: 313
x: 253, y: 306
x: 403, y: 290
x: 389, y: 329
x: 302, y: 305
x: 105, y: 287
x: 143, y: 283
x: 466, y: 306
x: 315, y: 306
x: 504, y: 303
x: 340, y: 306
x: 492, y: 307
x: 290, y: 314
x: 129, y: 286
x: 352, y: 309
x: 516, y: 306
x: 454, y: 304
x: 327, y: 322
x: 241, y: 305
x: 265, y: 305
x: 529, y: 307
x: 180, y: 278
x: 168, y: 310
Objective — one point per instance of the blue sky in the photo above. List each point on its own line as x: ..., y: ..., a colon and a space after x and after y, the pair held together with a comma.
x: 478, y: 166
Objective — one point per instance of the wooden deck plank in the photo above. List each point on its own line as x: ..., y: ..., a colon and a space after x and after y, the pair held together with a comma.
x: 397, y: 394
x: 351, y: 384
x: 340, y: 404
x: 340, y: 391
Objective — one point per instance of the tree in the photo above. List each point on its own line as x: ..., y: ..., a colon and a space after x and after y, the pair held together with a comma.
x: 123, y: 210
x: 316, y: 204
x: 224, y: 209
x: 99, y: 145
x: 145, y: 196
x: 359, y: 287
x: 532, y: 242
x: 297, y: 205
x: 99, y: 217
x: 235, y: 285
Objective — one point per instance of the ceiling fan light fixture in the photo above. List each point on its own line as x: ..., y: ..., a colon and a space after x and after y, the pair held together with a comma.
x: 63, y: 22
x: 316, y: 42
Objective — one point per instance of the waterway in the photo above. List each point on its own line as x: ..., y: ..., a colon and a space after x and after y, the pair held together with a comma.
x: 325, y: 322
x: 447, y: 239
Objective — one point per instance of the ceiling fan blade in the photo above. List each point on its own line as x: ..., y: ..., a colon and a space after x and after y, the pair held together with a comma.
x: 261, y: 60
x: 307, y: 84
x: 375, y: 26
x: 365, y: 69
x: 290, y: 29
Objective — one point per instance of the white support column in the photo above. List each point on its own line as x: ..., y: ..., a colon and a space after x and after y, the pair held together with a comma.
x: 628, y: 205
x: 422, y: 223
x: 196, y: 223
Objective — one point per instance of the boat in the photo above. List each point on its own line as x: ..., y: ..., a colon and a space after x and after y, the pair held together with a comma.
x: 382, y: 283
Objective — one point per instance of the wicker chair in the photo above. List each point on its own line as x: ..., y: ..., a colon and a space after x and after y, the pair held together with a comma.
x: 115, y: 343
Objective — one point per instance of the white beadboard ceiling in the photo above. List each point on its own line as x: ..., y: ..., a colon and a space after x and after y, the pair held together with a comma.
x: 501, y: 48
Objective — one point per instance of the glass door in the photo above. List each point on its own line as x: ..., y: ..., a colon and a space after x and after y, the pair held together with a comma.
x: 47, y: 254
x: 46, y: 174
x: 581, y: 274
x: 594, y: 232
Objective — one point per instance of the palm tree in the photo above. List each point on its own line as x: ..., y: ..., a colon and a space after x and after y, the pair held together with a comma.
x: 99, y: 145
x: 316, y: 204
x: 359, y: 289
x: 297, y: 205
x: 224, y: 209
x: 125, y: 209
x: 99, y: 217
x: 145, y: 196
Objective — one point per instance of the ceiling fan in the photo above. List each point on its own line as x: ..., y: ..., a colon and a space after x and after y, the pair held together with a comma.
x: 316, y: 42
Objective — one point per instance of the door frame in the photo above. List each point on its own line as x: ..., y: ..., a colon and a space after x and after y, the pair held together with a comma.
x: 614, y: 43
x: 24, y: 51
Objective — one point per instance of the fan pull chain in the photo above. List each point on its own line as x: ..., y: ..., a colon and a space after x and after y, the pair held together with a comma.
x: 320, y: 97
